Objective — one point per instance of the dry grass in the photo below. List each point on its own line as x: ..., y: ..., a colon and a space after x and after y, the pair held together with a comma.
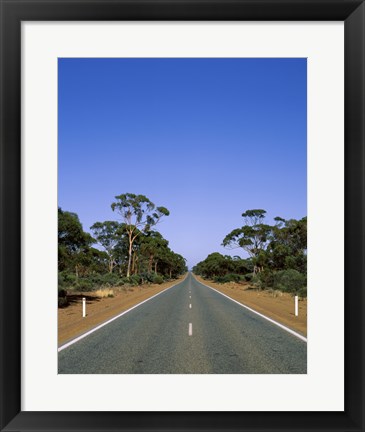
x: 274, y: 293
x: 104, y: 292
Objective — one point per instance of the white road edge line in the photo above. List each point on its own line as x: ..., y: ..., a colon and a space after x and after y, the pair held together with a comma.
x: 259, y: 314
x: 190, y: 329
x: 73, y: 341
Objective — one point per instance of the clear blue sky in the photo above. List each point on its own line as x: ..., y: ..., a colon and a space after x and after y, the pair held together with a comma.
x: 206, y: 138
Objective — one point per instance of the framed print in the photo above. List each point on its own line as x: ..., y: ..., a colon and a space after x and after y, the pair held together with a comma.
x: 198, y: 106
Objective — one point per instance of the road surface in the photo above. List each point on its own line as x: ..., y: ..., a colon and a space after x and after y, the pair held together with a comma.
x: 187, y: 329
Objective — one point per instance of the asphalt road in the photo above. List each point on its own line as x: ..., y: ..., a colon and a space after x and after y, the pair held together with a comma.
x: 188, y: 329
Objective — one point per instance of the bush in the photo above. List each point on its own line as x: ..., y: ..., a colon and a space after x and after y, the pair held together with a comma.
x: 147, y: 277
x: 157, y: 279
x: 263, y: 279
x: 233, y: 277
x: 62, y: 297
x: 61, y: 282
x: 230, y: 277
x: 290, y: 281
x: 219, y: 279
x: 66, y: 279
x: 111, y: 279
x: 62, y: 292
x: 135, y: 280
x: 62, y: 302
x: 84, y: 284
x: 248, y: 277
x: 302, y: 292
x: 96, y: 279
x: 124, y: 281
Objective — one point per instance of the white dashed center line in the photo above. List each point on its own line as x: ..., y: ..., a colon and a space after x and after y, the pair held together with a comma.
x: 190, y: 305
x: 190, y: 329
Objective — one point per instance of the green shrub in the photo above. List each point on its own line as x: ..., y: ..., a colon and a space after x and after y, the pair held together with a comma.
x: 84, y: 284
x: 263, y: 279
x: 147, y: 277
x: 230, y: 277
x: 111, y: 279
x: 157, y: 279
x: 62, y: 292
x: 66, y: 279
x: 256, y: 280
x: 290, y: 281
x: 302, y: 292
x: 61, y: 282
x: 62, y: 297
x: 62, y: 302
x: 96, y: 279
x: 124, y: 281
x: 248, y: 277
x: 233, y: 277
x: 135, y: 280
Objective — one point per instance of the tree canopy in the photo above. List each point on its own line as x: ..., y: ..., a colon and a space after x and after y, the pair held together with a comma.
x: 139, y: 215
x: 277, y: 253
x: 129, y: 250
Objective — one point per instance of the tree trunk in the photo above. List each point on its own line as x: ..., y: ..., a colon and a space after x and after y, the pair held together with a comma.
x: 150, y: 262
x: 134, y: 269
x: 155, y: 267
x: 129, y: 257
x: 111, y: 265
x: 257, y: 269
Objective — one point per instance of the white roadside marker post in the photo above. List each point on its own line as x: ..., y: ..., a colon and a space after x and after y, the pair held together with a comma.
x: 83, y: 307
x: 296, y: 306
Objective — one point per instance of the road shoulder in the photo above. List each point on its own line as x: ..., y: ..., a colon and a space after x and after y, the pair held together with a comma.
x: 71, y: 324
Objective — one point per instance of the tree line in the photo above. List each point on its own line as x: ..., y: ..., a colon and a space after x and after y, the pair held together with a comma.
x: 130, y: 250
x: 277, y: 254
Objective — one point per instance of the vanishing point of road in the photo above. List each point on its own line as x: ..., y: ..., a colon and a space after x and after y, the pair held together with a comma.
x: 187, y: 329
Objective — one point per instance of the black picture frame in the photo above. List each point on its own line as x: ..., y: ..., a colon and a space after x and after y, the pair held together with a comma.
x: 13, y: 12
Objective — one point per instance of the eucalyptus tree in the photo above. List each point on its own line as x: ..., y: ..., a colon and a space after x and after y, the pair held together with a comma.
x: 288, y: 246
x: 121, y: 250
x: 292, y: 232
x: 139, y: 215
x: 170, y: 263
x: 215, y: 264
x: 253, y: 236
x: 107, y: 234
x: 151, y: 244
x: 73, y: 243
x: 179, y: 265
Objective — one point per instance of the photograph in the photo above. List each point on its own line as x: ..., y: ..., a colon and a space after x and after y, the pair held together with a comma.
x: 182, y: 215
x: 179, y: 150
